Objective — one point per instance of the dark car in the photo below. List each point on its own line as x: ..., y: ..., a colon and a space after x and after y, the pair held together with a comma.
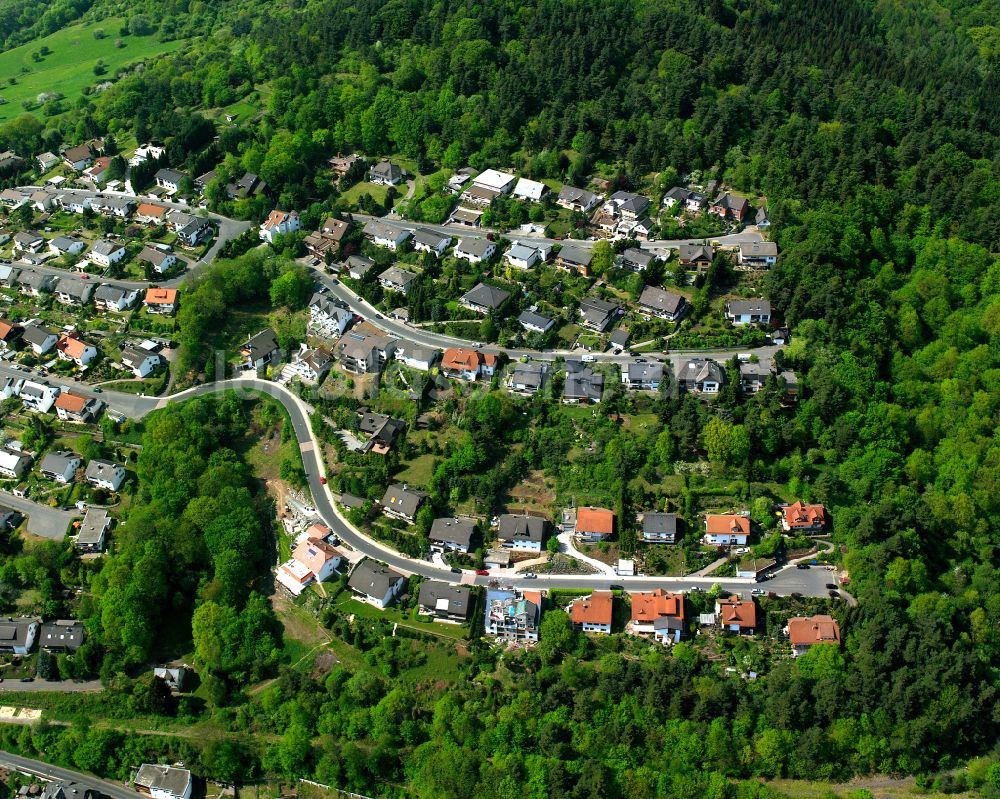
x: 27, y: 679
x: 802, y: 566
x: 616, y: 587
x: 456, y: 571
x: 831, y: 586
x: 795, y: 595
x: 835, y: 595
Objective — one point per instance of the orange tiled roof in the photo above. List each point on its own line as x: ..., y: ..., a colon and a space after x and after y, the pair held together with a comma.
x: 648, y: 606
x: 68, y: 401
x: 5, y: 329
x: 595, y: 609
x: 149, y: 209
x: 72, y: 347
x: 160, y: 296
x: 457, y: 358
x: 595, y: 520
x: 727, y: 524
x: 813, y: 630
x: 735, y: 611
x: 801, y: 515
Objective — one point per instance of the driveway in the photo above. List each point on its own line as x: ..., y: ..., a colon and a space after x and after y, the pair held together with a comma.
x: 43, y: 521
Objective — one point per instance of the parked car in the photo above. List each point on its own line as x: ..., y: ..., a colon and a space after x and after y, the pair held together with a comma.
x: 802, y: 566
x: 530, y: 576
x: 322, y: 481
x: 757, y: 591
x: 482, y: 572
x: 831, y: 586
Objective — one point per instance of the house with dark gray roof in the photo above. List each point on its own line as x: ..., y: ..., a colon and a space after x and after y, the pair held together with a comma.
x: 534, y: 322
x: 39, y: 338
x: 376, y: 584
x: 654, y: 301
x: 579, y: 200
x: 64, y: 635
x: 452, y: 534
x: 748, y: 312
x: 642, y: 376
x: 93, y: 530
x: 396, y: 279
x: 358, y: 266
x: 597, y: 314
x: 445, y: 602
x: 483, y: 298
x: 527, y: 378
x: 636, y: 260
x: 114, y: 298
x: 574, y: 258
x: 260, y: 349
x: 659, y: 528
x: 402, y: 502
x: 18, y: 635
x: 583, y: 387
x: 73, y: 291
x: 386, y: 173
x: 475, y: 250
x: 699, y: 376
x: 425, y: 240
x: 60, y: 466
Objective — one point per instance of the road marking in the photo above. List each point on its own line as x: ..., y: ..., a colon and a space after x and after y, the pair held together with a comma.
x: 306, y: 447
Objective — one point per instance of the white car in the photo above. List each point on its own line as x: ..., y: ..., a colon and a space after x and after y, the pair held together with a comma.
x: 588, y: 359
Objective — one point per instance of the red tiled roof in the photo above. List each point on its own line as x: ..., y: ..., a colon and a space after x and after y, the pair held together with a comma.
x: 595, y: 609
x: 813, y: 630
x: 648, y: 606
x: 68, y: 401
x: 149, y: 209
x: 72, y: 347
x: 595, y: 520
x: 161, y: 296
x: 727, y: 524
x: 456, y: 358
x: 801, y: 515
x: 735, y: 611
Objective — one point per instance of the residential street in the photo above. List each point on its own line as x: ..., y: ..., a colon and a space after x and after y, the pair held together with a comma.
x: 56, y: 686
x: 47, y: 772
x: 42, y: 520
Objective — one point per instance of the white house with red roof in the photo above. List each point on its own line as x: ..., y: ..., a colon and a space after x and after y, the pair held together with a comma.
x: 279, y: 223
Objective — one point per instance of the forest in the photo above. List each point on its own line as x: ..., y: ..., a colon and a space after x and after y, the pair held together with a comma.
x: 871, y: 128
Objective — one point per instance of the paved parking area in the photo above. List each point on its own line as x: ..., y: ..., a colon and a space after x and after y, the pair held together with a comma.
x: 42, y: 520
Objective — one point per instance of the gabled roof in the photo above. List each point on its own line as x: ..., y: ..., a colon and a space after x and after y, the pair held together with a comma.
x: 521, y: 527
x: 595, y: 520
x: 663, y: 523
x: 534, y: 319
x: 105, y: 247
x: 583, y: 384
x: 660, y: 300
x: 453, y: 531
x: 72, y: 347
x: 742, y: 307
x: 110, y: 293
x: 820, y: 629
x: 576, y: 255
x: 571, y: 194
x: 430, y: 238
x: 397, y: 276
x: 640, y: 257
x: 36, y: 334
x: 474, y: 246
x: 727, y: 524
x: 72, y: 403
x: 453, y: 599
x: 58, y: 462
x: 373, y: 578
x: 261, y: 345
x: 595, y: 609
x: 73, y: 287
x: 154, y: 255
x: 102, y: 470
x: 759, y: 249
x: 695, y: 252
x: 403, y: 499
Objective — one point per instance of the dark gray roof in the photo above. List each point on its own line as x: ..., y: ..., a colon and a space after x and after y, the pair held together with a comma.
x: 372, y: 578
x: 110, y: 293
x: 14, y: 631
x: 534, y: 319
x: 397, y: 276
x: 576, y: 255
x: 529, y: 374
x: 638, y: 257
x: 61, y: 634
x: 572, y: 194
x: 473, y: 246
x: 73, y: 287
x: 262, y: 344
x: 633, y: 203
x: 486, y: 296
x: 453, y: 531
x: 169, y: 175
x: 36, y: 334
x: 584, y: 384
x: 387, y: 169
x: 645, y: 373
x: 105, y: 247
x: 429, y: 237
x: 154, y: 255
x: 660, y: 300
x: 699, y: 370
x: 57, y: 462
x: 695, y: 252
x: 521, y: 527
x: 433, y: 594
x: 748, y: 307
x: 360, y: 264
x: 63, y: 243
x: 95, y: 524
x: 101, y: 470
x: 660, y: 523
x: 403, y: 499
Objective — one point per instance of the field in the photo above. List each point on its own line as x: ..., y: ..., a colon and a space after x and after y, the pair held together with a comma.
x: 69, y: 67
x: 376, y: 190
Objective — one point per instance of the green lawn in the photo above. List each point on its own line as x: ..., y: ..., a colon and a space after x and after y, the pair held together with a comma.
x: 69, y: 67
x: 346, y: 603
x: 377, y: 191
x: 417, y: 472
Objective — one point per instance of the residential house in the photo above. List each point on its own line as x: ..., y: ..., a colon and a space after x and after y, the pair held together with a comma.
x: 396, y: 279
x: 63, y: 635
x: 580, y: 201
x: 161, y: 301
x: 522, y: 256
x: 163, y: 782
x: 105, y: 474
x: 279, y: 223
x: 636, y: 260
x: 146, y: 152
x: 761, y: 218
x: 169, y: 179
x: 574, y: 259
x: 654, y: 301
x: 444, y: 602
x: 415, y: 357
x: 42, y: 200
x: 150, y: 214
x: 248, y: 186
x: 195, y: 232
x: 748, y: 312
x: 260, y: 349
x: 699, y: 376
x: 382, y: 430
x: 358, y: 266
x: 35, y: 284
x: 534, y: 322
x: 659, y: 528
x: 312, y: 365
x: 386, y: 235
x: 327, y: 238
x: 454, y: 534
x: 425, y: 240
x: 527, y: 378
x: 93, y: 530
x: 402, y: 502
x: 658, y: 613
x: 119, y: 207
x: 106, y: 252
x: 78, y: 158
x: 71, y: 348
x: 597, y: 314
x: 475, y: 250
x: 47, y: 161
x: 376, y: 584
x: 582, y: 385
x: 173, y: 677
x: 386, y: 173
x: 362, y: 354
x: 97, y: 171
x: 60, y: 466
x: 754, y: 375
x: 161, y: 261
x: 459, y: 179
x: 530, y: 190
x: 329, y: 316
x: 40, y: 339
x: 730, y: 206
x: 73, y: 291
x: 804, y: 633
x: 66, y: 245
x: 14, y: 465
x: 313, y: 560
x: 10, y: 162
x: 726, y: 529
x: 469, y: 217
x: 802, y: 518
x: 342, y: 164
x: 757, y: 255
x: 463, y: 364
x: 13, y: 198
x: 736, y: 615
x: 513, y: 615
x: 594, y: 524
x: 520, y: 532
x: 685, y: 199
x: 696, y: 257
x: 642, y: 376
x: 72, y: 407
x: 140, y: 362
x: 17, y: 635
x: 484, y: 298
x: 114, y: 298
x: 28, y: 241
x: 496, y: 181
x: 39, y: 397
x: 78, y: 203
x: 593, y: 614
x: 626, y: 206
x: 10, y: 335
